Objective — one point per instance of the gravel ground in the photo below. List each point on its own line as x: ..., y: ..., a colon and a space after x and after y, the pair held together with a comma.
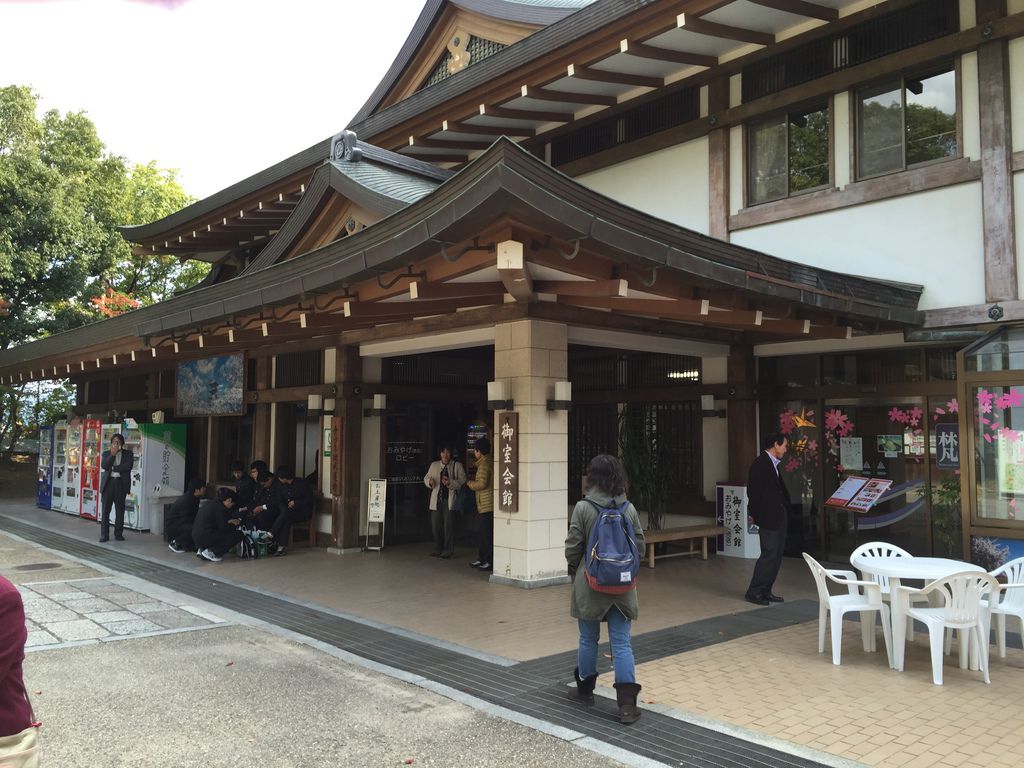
x: 238, y: 696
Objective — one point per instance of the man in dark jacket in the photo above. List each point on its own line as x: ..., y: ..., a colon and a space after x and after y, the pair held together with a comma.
x: 216, y: 529
x: 296, y: 505
x: 768, y: 508
x: 182, y: 515
x: 115, y: 484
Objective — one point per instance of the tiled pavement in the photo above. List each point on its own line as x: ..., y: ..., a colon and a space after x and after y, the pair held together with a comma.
x: 755, y: 673
x: 59, y: 612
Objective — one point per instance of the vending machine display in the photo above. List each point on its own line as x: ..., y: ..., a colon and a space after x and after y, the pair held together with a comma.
x: 73, y: 469
x: 158, y: 475
x: 92, y: 451
x: 60, y: 461
x: 44, y: 482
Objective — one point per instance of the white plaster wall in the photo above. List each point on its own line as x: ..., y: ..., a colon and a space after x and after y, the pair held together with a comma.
x: 969, y: 100
x: 714, y: 431
x: 932, y: 238
x: 671, y: 184
x: 1018, y: 207
x: 1017, y: 91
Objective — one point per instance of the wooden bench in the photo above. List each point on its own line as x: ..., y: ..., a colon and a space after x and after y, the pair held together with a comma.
x: 686, y: 533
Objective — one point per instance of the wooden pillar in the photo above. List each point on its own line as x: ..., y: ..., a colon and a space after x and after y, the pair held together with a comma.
x: 347, y: 458
x: 742, y: 412
x: 996, y: 161
x: 261, y: 415
x: 718, y: 161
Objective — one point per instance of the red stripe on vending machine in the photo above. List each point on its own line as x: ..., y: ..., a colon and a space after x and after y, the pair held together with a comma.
x: 92, y: 451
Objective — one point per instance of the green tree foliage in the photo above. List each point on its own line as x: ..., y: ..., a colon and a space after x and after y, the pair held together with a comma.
x: 63, y: 197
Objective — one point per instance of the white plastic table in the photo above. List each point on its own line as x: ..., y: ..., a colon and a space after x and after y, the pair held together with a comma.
x: 927, y: 569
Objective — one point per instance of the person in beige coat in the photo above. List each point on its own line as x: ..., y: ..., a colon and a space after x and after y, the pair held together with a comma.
x: 605, y: 486
x: 444, y: 478
x: 482, y: 485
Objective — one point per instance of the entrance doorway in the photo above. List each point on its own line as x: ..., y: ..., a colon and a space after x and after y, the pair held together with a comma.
x: 434, y: 400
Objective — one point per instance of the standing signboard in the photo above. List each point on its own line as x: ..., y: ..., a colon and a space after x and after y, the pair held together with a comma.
x: 376, y: 507
x: 508, y: 461
x: 741, y: 539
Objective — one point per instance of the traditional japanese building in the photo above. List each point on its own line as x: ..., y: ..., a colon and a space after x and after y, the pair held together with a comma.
x: 711, y: 218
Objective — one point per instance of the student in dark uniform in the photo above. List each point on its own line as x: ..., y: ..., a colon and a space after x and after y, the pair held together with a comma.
x: 266, y: 504
x: 116, y: 466
x: 182, y: 515
x: 215, y: 530
x: 296, y: 505
x: 245, y: 487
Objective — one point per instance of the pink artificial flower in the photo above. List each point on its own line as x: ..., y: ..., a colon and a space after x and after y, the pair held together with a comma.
x: 938, y: 412
x: 835, y: 419
x: 1014, y: 398
x: 988, y: 437
x: 1003, y: 402
x: 792, y: 464
x: 953, y: 406
x: 984, y: 406
x: 786, y: 423
x: 1010, y: 435
x: 812, y: 446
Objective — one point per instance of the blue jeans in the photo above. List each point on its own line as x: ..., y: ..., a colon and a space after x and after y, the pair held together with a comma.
x: 622, y: 649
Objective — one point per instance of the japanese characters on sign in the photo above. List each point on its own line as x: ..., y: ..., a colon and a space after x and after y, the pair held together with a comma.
x: 740, y: 539
x: 508, y: 462
x: 947, y: 446
x: 376, y: 500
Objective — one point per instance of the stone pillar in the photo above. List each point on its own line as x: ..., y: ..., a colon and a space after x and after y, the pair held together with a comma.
x: 531, y: 355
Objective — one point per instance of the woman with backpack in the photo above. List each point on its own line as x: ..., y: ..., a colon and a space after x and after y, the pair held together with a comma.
x: 603, y: 521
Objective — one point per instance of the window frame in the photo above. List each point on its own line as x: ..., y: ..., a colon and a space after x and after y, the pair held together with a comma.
x: 824, y: 103
x: 899, y: 79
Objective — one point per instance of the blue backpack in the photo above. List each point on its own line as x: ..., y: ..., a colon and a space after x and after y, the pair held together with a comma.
x: 612, y: 558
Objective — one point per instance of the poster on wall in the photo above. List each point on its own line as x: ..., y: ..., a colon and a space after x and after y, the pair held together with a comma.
x: 212, y: 386
x: 1010, y: 464
x: 889, y: 445
x: 851, y: 452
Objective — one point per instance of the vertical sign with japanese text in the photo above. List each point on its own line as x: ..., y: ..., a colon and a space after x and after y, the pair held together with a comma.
x: 508, y: 461
x: 947, y: 446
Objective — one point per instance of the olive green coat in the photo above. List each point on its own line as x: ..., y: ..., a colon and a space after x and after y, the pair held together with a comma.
x: 586, y: 603
x: 481, y: 484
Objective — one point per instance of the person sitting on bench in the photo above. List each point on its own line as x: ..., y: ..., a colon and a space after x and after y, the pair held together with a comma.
x: 245, y: 487
x: 266, y: 504
x: 182, y: 516
x: 296, y: 505
x: 216, y: 528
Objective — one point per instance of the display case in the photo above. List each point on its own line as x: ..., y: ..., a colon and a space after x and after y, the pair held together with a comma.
x: 92, y: 453
x: 60, y: 461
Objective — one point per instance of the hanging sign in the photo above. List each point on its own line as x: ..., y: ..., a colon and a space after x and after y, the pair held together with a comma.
x: 508, y: 461
x: 947, y: 446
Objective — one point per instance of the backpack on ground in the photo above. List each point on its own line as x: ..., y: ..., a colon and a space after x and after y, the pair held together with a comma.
x: 612, y: 558
x: 247, y: 549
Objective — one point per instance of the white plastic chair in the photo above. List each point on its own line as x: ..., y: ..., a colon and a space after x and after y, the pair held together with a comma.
x: 962, y: 609
x: 1011, y: 603
x: 854, y: 600
x: 884, y: 549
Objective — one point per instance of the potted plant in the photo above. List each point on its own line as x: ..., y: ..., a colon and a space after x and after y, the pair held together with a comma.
x: 945, y: 498
x: 645, y: 461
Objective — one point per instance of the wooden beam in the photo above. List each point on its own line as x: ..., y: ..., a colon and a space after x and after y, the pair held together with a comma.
x: 488, y: 130
x: 617, y: 78
x: 683, y: 309
x: 507, y: 113
x: 644, y: 51
x: 997, y: 202
x: 612, y: 288
x: 546, y: 94
x: 710, y: 28
x: 419, y: 308
x: 428, y: 290
x: 801, y: 8
x: 515, y: 271
x: 449, y: 143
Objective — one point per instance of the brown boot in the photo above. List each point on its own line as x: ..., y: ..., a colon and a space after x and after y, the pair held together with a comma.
x: 584, y: 690
x: 625, y: 695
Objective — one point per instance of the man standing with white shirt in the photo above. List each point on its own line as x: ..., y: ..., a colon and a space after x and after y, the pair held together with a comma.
x: 768, y: 508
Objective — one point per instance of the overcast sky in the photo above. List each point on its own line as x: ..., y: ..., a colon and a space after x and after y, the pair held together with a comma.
x: 218, y: 89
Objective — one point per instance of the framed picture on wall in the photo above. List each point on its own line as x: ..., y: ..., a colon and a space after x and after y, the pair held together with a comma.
x: 212, y: 386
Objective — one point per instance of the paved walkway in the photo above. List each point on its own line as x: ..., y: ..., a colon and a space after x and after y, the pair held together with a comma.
x: 724, y: 684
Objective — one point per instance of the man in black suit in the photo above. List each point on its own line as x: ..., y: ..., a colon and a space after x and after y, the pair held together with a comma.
x: 768, y: 508
x: 297, y: 502
x: 115, y: 484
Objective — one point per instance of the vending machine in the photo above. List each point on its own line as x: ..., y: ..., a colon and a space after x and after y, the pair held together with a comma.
x: 92, y: 452
x: 60, y: 461
x: 44, y: 483
x: 158, y: 475
x: 73, y: 469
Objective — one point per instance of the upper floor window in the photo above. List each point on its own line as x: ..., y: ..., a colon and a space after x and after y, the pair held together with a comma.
x: 788, y: 154
x: 906, y: 122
